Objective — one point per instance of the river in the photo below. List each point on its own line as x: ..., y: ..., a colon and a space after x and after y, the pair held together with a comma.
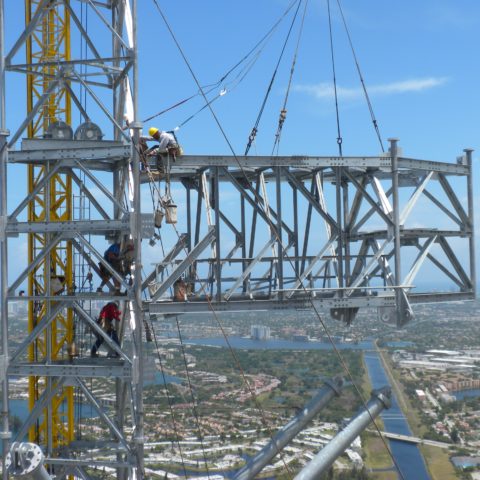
x: 407, y: 456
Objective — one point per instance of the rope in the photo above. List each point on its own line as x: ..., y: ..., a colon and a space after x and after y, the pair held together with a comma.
x: 254, y: 131
x: 283, y: 111
x: 370, y: 107
x: 169, y: 399
x: 339, y: 135
x: 317, y: 313
x: 194, y: 402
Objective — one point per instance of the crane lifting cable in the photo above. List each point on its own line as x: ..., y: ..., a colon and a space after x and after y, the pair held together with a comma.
x: 254, y: 52
x: 254, y: 131
x: 283, y: 111
x: 367, y: 98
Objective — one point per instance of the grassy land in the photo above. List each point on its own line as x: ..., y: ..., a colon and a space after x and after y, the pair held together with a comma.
x: 376, y: 453
x: 438, y: 463
x: 436, y: 459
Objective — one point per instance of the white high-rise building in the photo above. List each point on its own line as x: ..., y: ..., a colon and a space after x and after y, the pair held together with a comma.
x: 259, y: 332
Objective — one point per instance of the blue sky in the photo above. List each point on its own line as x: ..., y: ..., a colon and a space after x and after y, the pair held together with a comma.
x: 419, y: 61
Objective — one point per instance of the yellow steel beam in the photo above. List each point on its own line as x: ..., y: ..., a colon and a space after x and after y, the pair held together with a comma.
x: 50, y: 41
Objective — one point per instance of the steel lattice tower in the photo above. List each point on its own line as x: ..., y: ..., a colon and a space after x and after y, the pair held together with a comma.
x: 54, y: 353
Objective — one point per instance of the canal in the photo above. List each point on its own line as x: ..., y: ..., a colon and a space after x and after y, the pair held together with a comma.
x: 407, y: 456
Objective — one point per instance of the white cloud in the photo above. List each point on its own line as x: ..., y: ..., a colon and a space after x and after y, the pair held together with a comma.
x: 323, y: 91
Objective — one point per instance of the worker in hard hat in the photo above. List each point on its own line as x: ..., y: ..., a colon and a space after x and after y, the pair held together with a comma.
x: 167, y: 143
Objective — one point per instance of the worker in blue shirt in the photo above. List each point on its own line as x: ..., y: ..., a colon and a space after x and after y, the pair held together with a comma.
x: 120, y: 260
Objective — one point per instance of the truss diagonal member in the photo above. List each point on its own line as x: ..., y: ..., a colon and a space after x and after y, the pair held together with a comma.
x: 445, y: 270
x: 101, y: 105
x: 108, y: 25
x: 443, y: 208
x: 93, y: 401
x: 38, y: 260
x: 454, y: 199
x: 100, y: 258
x: 267, y: 276
x: 419, y: 260
x: 100, y: 185
x: 44, y: 323
x: 414, y: 198
x: 32, y: 25
x: 99, y: 330
x: 251, y: 266
x: 382, y: 196
x: 361, y: 255
x: 78, y: 103
x: 253, y: 203
x: 311, y: 199
x: 87, y: 192
x: 354, y: 228
x: 467, y: 283
x: 323, y: 203
x: 368, y: 267
x: 87, y: 38
x: 383, y: 265
x: 206, y: 197
x: 33, y: 112
x: 90, y: 262
x: 311, y: 265
x: 38, y: 187
x: 331, y: 389
x: 383, y: 211
x: 177, y: 248
x: 80, y: 473
x: 356, y: 204
x: 184, y: 264
x: 44, y: 400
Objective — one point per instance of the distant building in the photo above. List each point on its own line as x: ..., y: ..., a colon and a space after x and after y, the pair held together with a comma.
x: 300, y: 338
x: 259, y: 332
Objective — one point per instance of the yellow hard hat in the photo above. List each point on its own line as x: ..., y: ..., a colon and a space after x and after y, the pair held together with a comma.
x: 152, y: 131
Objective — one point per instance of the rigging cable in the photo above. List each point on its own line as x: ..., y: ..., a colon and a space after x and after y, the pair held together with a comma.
x: 169, y: 399
x: 254, y: 131
x: 283, y: 111
x: 369, y: 103
x: 314, y: 308
x: 264, y: 40
x: 339, y: 134
x: 194, y: 402
x: 337, y: 170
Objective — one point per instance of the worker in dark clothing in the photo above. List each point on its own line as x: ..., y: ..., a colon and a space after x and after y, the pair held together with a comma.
x: 108, y: 315
x: 120, y: 260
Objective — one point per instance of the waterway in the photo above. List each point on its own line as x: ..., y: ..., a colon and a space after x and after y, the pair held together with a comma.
x: 462, y: 394
x: 407, y: 456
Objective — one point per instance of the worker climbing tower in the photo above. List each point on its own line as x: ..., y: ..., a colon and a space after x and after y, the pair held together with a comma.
x: 73, y: 144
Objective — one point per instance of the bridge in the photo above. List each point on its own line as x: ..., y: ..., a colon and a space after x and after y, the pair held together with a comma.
x: 414, y: 440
